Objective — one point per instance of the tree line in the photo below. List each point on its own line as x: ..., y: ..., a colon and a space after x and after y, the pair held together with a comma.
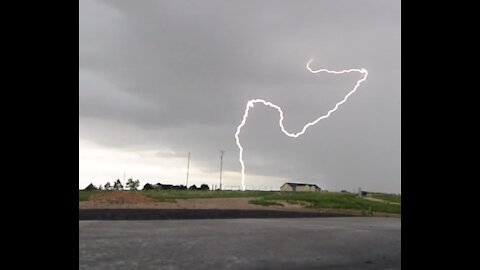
x: 134, y: 184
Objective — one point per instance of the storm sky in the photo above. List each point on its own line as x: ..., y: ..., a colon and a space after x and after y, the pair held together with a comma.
x: 159, y: 79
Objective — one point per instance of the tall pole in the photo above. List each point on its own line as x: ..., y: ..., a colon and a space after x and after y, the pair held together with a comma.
x: 221, y: 167
x: 188, y: 167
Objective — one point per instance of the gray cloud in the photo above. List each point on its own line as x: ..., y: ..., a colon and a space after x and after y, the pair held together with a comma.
x: 178, y: 74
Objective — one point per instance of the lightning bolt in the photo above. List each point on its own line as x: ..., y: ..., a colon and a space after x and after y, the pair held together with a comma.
x: 251, y: 104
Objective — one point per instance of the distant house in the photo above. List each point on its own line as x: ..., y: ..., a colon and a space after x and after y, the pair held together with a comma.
x: 300, y: 187
x: 362, y: 193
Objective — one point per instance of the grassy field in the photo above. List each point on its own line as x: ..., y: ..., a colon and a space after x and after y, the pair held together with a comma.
x: 387, y: 197
x: 264, y: 202
x: 312, y: 200
x: 197, y: 194
x: 335, y: 200
x: 85, y: 195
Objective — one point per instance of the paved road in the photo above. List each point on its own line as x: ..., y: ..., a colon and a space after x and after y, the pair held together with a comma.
x: 287, y: 243
x: 157, y: 214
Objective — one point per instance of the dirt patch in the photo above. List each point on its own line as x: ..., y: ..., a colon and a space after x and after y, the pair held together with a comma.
x: 120, y: 197
x: 130, y: 200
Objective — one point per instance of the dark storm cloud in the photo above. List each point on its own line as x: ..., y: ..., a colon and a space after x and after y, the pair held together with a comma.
x: 177, y: 75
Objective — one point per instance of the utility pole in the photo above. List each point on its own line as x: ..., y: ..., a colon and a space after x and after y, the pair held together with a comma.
x: 221, y: 167
x: 124, y: 173
x: 188, y: 167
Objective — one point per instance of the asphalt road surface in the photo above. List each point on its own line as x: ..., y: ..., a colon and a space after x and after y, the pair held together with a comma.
x: 283, y: 243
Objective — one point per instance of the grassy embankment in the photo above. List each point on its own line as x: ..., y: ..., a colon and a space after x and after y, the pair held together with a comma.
x: 266, y: 198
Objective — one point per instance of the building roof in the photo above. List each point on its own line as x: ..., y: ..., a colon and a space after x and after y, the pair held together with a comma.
x: 299, y: 184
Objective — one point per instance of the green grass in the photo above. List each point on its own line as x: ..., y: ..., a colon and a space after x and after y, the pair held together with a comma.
x: 313, y: 199
x: 166, y: 200
x: 297, y: 202
x: 336, y: 200
x: 308, y: 199
x: 85, y: 195
x: 387, y: 197
x: 198, y: 194
x: 264, y: 202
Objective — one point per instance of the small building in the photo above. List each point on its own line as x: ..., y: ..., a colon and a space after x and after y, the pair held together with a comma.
x: 362, y: 193
x: 300, y: 187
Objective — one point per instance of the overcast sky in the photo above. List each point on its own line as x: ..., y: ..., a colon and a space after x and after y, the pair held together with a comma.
x: 159, y: 79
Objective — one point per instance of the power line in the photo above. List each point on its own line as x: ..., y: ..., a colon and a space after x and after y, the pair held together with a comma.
x: 188, y: 167
x: 221, y: 167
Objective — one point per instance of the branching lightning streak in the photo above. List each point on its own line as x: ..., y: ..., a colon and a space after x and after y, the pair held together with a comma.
x: 251, y: 104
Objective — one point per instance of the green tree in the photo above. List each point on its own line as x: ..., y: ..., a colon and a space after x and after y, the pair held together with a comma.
x: 193, y: 187
x: 118, y: 185
x: 133, y: 185
x: 90, y: 187
x: 108, y: 186
x: 148, y: 187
